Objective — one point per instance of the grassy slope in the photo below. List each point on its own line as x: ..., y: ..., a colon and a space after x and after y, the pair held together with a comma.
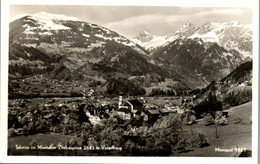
x: 231, y: 136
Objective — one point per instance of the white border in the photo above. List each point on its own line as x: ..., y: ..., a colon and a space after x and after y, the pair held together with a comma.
x: 187, y: 3
x: 194, y: 3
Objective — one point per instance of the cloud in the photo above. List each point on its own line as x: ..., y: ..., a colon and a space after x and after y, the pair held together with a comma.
x: 162, y: 24
x: 133, y: 25
x: 145, y: 19
x: 219, y: 12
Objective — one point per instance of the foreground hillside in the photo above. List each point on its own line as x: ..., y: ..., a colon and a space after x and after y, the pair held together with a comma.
x: 135, y: 139
x: 237, y: 134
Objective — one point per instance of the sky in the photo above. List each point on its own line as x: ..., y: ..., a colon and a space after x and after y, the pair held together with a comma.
x: 131, y: 20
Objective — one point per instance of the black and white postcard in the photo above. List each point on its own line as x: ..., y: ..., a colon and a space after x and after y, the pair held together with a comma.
x: 127, y: 81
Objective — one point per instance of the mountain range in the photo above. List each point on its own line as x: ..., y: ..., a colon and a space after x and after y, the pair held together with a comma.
x: 230, y: 35
x: 66, y: 48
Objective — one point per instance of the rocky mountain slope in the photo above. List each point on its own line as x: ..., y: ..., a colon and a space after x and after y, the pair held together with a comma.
x: 201, y: 62
x: 69, y: 49
x: 234, y: 89
x: 66, y: 48
x: 151, y: 42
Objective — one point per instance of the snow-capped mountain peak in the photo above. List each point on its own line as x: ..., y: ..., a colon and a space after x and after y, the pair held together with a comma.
x: 144, y: 36
x: 46, y: 21
x: 230, y: 35
x: 144, y: 33
x: 44, y: 29
x: 48, y: 16
x: 186, y: 26
x: 185, y: 29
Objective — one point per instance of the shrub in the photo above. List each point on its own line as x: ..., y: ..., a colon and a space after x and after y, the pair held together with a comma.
x: 202, y: 139
x: 221, y: 121
x: 129, y: 146
x: 218, y: 115
x: 182, y: 144
x: 188, y: 118
x: 208, y: 120
x: 198, y: 140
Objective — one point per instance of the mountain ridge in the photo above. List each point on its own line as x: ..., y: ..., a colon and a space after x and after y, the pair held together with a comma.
x: 230, y: 35
x: 79, y: 51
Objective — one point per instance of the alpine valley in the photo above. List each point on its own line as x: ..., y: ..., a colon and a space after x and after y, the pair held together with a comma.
x: 60, y: 51
x: 81, y: 89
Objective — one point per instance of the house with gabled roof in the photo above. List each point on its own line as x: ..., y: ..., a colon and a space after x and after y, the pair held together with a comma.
x: 152, y: 115
x: 132, y: 107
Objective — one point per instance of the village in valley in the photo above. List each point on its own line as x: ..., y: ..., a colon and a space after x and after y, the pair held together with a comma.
x: 70, y: 115
x: 91, y: 121
x: 74, y: 115
x: 132, y: 110
x: 96, y: 107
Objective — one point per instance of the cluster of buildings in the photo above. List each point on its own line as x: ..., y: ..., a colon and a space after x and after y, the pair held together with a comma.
x: 130, y: 110
x: 135, y: 110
